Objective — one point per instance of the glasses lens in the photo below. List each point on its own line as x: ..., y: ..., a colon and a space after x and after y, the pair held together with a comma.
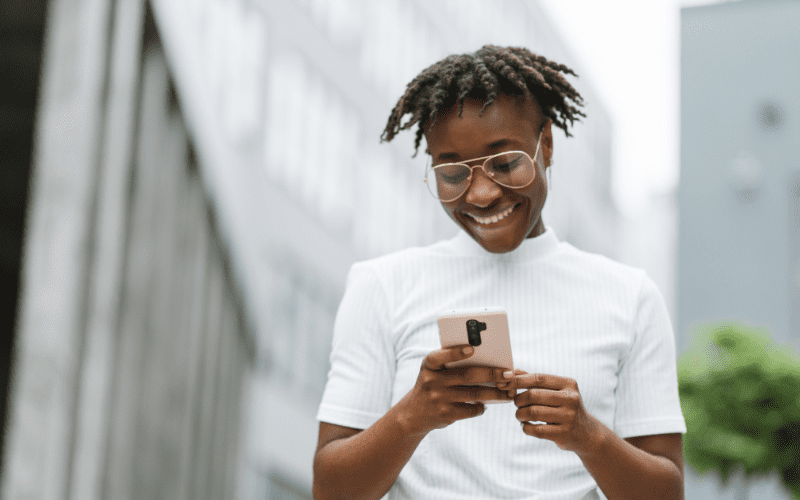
x: 512, y: 169
x: 447, y: 182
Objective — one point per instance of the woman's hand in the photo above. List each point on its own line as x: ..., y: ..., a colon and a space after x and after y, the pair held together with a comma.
x: 556, y: 401
x: 439, y: 397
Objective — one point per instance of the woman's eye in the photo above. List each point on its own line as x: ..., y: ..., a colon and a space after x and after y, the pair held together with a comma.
x: 454, y: 179
x: 506, y: 167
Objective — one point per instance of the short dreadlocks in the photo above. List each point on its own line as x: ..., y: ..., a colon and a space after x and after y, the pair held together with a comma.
x: 482, y: 75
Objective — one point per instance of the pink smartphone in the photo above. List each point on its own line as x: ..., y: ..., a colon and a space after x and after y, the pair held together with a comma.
x: 486, y: 329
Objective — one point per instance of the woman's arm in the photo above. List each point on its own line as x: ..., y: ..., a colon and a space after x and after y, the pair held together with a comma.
x: 640, y: 467
x: 355, y: 464
x: 365, y: 464
x: 647, y: 467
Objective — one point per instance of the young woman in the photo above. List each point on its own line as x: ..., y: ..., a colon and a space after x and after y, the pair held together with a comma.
x: 591, y: 337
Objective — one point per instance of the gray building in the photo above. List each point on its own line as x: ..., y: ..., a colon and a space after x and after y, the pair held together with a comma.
x: 739, y: 193
x: 199, y: 193
x: 133, y: 346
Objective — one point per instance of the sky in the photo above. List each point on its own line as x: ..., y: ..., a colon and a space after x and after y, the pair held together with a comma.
x: 631, y: 50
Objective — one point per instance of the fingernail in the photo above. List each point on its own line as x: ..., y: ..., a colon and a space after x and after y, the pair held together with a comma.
x: 467, y: 350
x: 508, y: 374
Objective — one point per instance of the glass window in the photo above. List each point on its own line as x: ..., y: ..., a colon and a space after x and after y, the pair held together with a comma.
x: 282, y: 487
x: 344, y: 20
x: 242, y: 82
x: 285, y: 106
x: 301, y: 333
x: 281, y: 319
x: 308, y: 160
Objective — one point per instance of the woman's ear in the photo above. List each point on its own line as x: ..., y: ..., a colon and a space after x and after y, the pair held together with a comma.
x: 548, y: 138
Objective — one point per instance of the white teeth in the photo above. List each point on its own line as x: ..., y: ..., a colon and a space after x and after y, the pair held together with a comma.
x: 494, y: 218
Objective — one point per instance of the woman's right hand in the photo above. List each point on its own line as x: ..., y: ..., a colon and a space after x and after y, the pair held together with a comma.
x: 438, y: 398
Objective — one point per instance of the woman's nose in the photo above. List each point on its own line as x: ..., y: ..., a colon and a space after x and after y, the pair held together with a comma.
x: 482, y: 191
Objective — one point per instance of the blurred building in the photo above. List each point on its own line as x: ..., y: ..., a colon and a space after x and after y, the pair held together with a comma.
x: 647, y: 241
x: 739, y: 194
x: 21, y: 41
x: 132, y: 344
x: 206, y: 175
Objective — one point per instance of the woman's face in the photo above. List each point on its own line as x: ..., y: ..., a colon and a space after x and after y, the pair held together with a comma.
x: 508, y: 124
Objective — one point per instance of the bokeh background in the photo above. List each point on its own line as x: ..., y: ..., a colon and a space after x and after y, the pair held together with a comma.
x: 184, y: 186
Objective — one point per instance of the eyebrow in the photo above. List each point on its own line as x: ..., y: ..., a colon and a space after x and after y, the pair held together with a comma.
x: 492, y: 145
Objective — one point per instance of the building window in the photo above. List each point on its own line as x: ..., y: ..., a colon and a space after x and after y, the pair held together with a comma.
x: 281, y: 487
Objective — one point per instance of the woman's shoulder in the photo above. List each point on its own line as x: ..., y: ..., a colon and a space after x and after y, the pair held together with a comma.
x: 407, y: 255
x: 387, y: 265
x: 598, y: 265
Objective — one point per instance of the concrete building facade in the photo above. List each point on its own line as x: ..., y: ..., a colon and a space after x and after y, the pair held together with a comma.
x: 132, y: 347
x: 739, y: 194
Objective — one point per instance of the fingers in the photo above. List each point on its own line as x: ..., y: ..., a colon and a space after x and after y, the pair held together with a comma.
x: 545, y: 381
x: 467, y: 376
x: 541, y: 414
x: 435, y: 360
x: 473, y: 375
x: 470, y: 410
x: 512, y: 384
x: 544, y: 431
x: 542, y: 397
x: 479, y: 393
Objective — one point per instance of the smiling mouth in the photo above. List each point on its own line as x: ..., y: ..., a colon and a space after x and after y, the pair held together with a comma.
x: 490, y: 221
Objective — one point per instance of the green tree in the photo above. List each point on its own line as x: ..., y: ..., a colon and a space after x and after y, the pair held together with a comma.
x: 740, y: 395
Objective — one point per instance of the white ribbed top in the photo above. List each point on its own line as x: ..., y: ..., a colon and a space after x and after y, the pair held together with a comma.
x: 570, y: 313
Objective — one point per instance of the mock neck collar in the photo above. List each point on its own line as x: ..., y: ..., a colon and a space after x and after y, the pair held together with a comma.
x: 529, y: 249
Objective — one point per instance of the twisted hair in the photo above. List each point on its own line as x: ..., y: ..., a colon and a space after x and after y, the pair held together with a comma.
x: 483, y: 75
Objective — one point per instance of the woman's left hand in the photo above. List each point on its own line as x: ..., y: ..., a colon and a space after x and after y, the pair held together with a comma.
x: 557, y: 401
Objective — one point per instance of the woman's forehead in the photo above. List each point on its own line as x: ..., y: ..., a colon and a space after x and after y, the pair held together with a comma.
x: 505, y: 116
x: 519, y: 105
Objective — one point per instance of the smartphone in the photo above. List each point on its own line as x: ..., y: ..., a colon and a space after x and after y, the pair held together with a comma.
x: 486, y: 330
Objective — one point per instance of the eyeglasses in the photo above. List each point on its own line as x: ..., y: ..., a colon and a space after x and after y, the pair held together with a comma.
x: 513, y: 169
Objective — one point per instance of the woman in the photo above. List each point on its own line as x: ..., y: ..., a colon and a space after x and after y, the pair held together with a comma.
x: 594, y: 334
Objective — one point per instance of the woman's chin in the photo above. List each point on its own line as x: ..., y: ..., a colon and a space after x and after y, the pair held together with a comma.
x: 495, y: 238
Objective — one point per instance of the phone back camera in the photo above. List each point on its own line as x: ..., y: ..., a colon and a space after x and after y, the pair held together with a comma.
x: 474, y: 329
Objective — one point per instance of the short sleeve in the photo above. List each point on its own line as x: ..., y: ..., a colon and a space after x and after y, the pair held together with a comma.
x: 359, y: 387
x: 647, y: 388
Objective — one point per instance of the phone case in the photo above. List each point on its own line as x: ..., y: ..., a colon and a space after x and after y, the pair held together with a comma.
x: 495, y: 344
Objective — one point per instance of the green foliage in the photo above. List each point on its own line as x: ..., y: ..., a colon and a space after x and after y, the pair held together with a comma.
x: 740, y: 395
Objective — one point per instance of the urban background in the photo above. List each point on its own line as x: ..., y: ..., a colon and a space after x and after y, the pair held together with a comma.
x: 186, y: 184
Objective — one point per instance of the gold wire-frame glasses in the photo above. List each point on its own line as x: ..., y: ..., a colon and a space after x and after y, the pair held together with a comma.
x: 482, y: 165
